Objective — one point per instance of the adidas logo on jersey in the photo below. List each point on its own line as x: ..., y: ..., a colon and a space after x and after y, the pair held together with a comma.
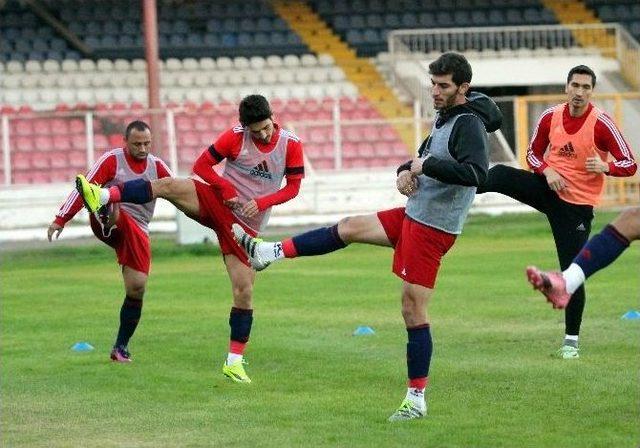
x: 568, y: 151
x: 261, y: 170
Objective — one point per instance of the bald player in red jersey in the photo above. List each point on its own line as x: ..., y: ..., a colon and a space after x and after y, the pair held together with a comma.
x: 569, y: 156
x: 125, y: 228
x: 258, y: 154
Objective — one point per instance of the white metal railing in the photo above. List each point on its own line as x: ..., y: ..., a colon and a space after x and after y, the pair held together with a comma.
x: 94, y: 126
x: 383, y: 148
x: 608, y: 39
x: 91, y: 122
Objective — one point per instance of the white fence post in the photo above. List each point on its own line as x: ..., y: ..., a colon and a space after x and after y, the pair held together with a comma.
x: 171, y: 136
x: 417, y: 124
x: 6, y: 150
x: 88, y: 122
x: 337, y: 138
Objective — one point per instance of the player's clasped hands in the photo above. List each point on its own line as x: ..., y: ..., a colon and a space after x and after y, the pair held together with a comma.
x: 249, y: 209
x: 406, y: 183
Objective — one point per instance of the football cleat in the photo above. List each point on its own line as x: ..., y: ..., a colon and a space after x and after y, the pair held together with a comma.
x: 236, y: 371
x: 120, y: 354
x: 408, y: 410
x: 568, y: 352
x: 250, y: 246
x: 551, y: 284
x: 90, y: 193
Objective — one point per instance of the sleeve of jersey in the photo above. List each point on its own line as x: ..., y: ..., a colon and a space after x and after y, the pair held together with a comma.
x: 203, y: 167
x: 468, y: 146
x: 288, y: 192
x: 609, y: 138
x: 539, y: 143
x: 295, y: 160
x: 163, y: 169
x: 102, y: 171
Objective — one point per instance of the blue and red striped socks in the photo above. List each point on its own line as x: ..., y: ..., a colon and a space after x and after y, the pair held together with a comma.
x: 419, y: 350
x: 601, y: 250
x: 314, y: 242
x: 240, y: 321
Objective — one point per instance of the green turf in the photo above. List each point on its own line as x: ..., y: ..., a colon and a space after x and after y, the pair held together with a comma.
x: 493, y: 381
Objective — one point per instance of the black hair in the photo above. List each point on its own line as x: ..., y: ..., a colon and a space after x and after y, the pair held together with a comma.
x: 454, y: 64
x: 582, y: 70
x: 254, y: 108
x: 138, y: 125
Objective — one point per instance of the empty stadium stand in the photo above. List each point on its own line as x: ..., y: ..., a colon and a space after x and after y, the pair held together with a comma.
x: 365, y: 23
x: 212, y: 54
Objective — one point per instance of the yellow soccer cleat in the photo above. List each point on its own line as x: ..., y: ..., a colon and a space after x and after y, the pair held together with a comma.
x: 90, y: 193
x: 236, y: 372
x: 409, y: 410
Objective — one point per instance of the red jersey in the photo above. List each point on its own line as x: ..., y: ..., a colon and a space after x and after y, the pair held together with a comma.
x: 103, y: 171
x: 229, y: 144
x: 607, y: 138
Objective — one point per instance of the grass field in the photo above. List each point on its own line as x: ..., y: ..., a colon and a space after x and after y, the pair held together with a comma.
x: 493, y: 381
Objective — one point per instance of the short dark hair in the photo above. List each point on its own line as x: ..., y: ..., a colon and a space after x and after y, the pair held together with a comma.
x: 582, y: 70
x: 254, y: 108
x: 454, y: 64
x: 138, y: 125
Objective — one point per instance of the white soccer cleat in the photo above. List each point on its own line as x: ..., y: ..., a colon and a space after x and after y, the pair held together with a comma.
x: 250, y: 246
x: 568, y: 352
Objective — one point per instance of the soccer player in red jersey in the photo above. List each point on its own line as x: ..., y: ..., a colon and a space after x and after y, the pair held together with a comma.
x: 568, y: 155
x: 258, y: 154
x: 124, y: 227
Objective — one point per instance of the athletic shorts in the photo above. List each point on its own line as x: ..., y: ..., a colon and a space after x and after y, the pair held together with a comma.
x: 418, y: 248
x: 217, y: 216
x: 130, y: 242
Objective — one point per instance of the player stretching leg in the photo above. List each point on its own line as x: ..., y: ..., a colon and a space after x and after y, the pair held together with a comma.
x: 440, y: 184
x: 599, y: 252
x: 259, y: 154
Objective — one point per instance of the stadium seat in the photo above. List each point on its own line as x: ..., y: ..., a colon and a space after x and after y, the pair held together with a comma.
x: 45, y: 81
x: 224, y: 63
x: 62, y: 143
x: 274, y: 61
x: 50, y: 66
x: 308, y: 60
x: 325, y: 60
x: 21, y: 127
x: 138, y: 65
x: 78, y: 158
x: 100, y: 142
x: 32, y: 67
x: 76, y: 126
x: 291, y: 61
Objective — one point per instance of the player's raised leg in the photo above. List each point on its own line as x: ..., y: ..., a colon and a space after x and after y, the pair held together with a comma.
x: 354, y: 229
x: 599, y: 252
x: 180, y: 192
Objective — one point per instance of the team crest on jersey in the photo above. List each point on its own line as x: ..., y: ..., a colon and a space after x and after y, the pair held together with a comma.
x: 261, y: 170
